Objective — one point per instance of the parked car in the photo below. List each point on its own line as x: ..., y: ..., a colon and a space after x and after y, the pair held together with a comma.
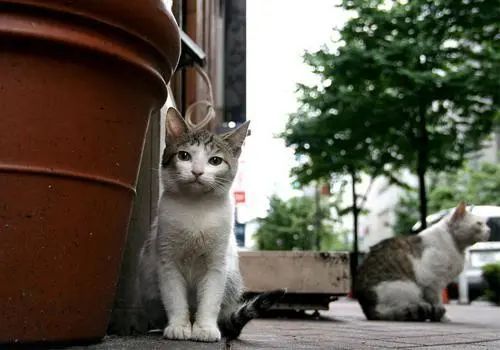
x: 479, y: 254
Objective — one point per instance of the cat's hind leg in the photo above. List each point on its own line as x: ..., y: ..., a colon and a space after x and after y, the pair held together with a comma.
x: 434, y: 297
x: 401, y: 301
x: 412, y: 312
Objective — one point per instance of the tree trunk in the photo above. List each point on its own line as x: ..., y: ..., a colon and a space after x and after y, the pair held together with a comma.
x: 355, y: 248
x: 422, y: 191
x: 422, y: 163
x: 317, y: 218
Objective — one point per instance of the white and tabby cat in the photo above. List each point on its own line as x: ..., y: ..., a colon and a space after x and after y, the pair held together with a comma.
x: 402, y: 278
x: 190, y: 261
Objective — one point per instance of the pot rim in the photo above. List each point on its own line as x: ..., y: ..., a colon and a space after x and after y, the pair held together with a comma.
x: 146, y: 35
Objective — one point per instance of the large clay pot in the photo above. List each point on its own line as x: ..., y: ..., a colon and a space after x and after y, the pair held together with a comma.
x: 79, y: 80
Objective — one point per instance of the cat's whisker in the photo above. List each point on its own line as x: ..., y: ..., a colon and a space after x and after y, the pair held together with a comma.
x: 223, y: 182
x: 220, y: 186
x: 212, y: 186
x: 223, y: 179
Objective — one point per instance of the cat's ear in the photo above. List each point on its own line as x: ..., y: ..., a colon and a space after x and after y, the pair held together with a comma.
x: 175, y: 124
x: 459, y: 212
x: 237, y: 137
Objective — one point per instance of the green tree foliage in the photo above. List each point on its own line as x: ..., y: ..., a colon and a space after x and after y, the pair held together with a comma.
x: 474, y: 186
x: 411, y: 84
x: 293, y: 225
x: 406, y: 212
x: 478, y: 187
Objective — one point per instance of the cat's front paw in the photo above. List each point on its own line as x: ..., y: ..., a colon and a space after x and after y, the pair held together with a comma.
x: 205, y: 333
x: 178, y: 331
x: 445, y: 319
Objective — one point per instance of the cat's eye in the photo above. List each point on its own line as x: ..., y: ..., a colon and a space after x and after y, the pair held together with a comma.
x: 184, y: 156
x: 215, y: 161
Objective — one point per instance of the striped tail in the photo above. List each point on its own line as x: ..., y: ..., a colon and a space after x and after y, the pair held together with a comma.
x: 231, y: 328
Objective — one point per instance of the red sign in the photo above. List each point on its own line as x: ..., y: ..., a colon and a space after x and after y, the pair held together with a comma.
x: 239, y: 197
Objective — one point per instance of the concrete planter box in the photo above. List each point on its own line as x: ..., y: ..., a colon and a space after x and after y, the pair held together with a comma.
x: 313, y: 279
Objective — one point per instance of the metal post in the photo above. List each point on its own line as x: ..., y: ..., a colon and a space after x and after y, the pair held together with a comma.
x: 463, y: 287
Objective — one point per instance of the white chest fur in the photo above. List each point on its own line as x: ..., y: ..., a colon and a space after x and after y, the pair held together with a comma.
x: 440, y: 262
x: 195, y: 227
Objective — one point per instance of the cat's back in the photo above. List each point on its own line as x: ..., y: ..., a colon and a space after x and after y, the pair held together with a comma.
x: 390, y: 260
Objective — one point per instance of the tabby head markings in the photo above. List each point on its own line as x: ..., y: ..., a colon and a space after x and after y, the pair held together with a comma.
x: 198, y: 162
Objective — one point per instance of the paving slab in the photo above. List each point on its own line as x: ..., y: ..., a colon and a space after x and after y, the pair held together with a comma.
x: 472, y: 327
x: 152, y: 342
x: 344, y: 327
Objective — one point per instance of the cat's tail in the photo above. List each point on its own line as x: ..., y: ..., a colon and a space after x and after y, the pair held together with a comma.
x: 232, y: 326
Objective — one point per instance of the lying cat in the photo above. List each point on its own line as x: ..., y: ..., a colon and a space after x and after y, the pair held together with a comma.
x: 402, y: 278
x: 190, y: 261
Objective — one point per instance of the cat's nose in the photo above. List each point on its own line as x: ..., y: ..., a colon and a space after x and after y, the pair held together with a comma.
x: 197, y: 173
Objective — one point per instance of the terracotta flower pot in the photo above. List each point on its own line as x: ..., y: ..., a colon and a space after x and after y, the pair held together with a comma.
x: 78, y: 82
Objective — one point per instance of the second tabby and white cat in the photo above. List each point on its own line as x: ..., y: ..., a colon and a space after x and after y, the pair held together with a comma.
x: 402, y: 278
x: 189, y: 264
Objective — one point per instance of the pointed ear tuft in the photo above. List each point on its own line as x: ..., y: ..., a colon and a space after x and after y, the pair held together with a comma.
x: 237, y: 137
x: 175, y: 124
x: 459, y: 212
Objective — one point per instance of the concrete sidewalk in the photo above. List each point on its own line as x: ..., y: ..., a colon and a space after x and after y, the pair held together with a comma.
x: 344, y: 327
